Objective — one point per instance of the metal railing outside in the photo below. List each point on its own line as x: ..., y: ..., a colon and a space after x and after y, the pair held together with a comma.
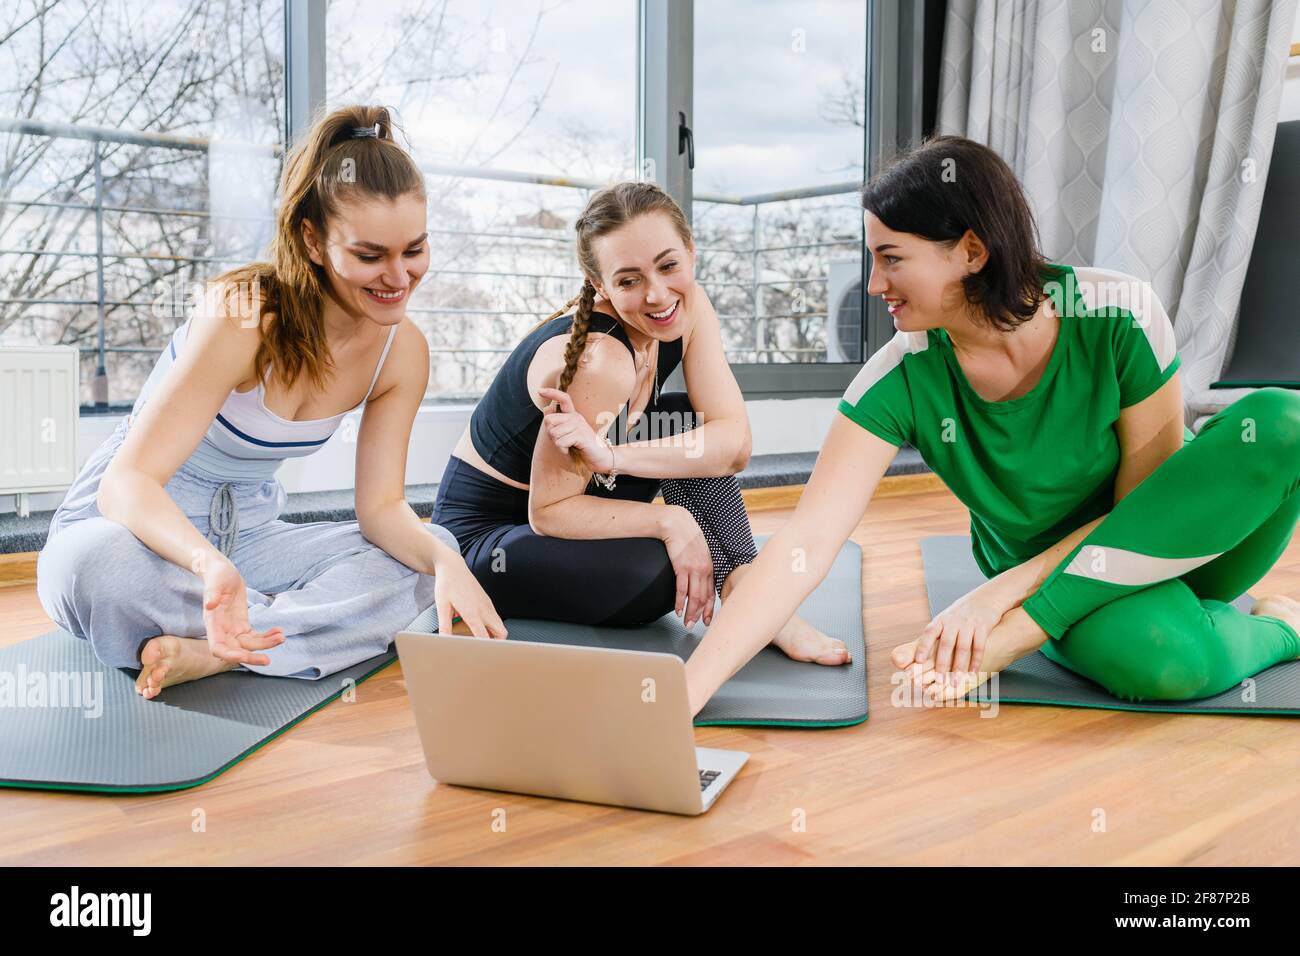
x: 99, y: 136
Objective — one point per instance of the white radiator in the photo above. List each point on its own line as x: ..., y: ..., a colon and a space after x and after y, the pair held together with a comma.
x: 39, y: 392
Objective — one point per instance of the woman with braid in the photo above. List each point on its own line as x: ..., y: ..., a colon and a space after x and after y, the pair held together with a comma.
x: 550, y: 489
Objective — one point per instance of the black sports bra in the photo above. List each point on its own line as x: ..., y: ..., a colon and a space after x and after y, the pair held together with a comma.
x: 504, y: 424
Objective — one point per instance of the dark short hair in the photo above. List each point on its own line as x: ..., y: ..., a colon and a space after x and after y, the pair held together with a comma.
x: 949, y: 184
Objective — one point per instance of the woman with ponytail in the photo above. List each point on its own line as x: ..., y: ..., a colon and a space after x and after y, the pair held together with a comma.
x: 550, y: 490
x: 167, y: 554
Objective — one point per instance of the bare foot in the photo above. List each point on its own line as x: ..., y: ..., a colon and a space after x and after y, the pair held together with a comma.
x: 168, y: 660
x: 1281, y: 607
x: 798, y: 639
x: 1016, y: 635
x: 803, y: 642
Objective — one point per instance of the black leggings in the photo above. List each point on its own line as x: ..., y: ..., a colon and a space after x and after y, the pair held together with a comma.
x: 616, y: 581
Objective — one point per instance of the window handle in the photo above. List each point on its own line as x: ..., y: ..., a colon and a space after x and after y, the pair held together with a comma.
x: 685, y: 141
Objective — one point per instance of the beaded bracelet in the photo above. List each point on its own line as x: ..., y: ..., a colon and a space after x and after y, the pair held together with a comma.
x: 607, y: 481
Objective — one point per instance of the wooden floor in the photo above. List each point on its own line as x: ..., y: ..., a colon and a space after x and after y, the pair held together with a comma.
x: 1032, y: 785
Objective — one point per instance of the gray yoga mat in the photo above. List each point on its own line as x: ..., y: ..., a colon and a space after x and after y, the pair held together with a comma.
x: 770, y: 690
x: 950, y: 572
x: 1266, y: 346
x: 67, y: 722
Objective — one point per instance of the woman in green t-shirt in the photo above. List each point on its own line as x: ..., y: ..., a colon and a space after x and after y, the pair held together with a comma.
x: 1047, y: 399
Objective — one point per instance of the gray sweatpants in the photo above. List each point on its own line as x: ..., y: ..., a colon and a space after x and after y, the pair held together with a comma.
x: 338, y: 598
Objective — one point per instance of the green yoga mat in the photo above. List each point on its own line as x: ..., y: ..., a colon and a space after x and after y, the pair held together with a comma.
x: 67, y: 722
x: 771, y: 690
x: 950, y: 572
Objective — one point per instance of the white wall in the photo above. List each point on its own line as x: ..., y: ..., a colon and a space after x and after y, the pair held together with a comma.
x: 778, y: 426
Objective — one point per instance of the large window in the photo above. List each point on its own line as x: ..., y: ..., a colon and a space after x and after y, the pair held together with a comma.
x: 140, y: 144
x: 111, y: 201
x: 497, y: 98
x: 779, y: 131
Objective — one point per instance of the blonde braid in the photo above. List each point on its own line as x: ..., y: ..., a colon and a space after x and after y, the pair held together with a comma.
x: 586, y: 299
x: 578, y: 336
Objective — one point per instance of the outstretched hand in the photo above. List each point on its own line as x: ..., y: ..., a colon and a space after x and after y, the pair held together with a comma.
x: 955, y: 639
x: 225, y: 618
x: 457, y: 591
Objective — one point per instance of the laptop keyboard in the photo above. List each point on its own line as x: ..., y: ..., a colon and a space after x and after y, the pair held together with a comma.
x: 707, y: 777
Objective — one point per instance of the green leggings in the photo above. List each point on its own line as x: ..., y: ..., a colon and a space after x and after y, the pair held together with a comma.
x: 1139, y: 606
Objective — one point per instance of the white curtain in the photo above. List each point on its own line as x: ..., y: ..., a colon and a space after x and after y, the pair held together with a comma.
x: 1142, y: 131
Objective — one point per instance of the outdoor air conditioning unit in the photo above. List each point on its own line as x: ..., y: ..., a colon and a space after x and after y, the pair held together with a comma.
x: 844, y: 311
x: 39, y: 391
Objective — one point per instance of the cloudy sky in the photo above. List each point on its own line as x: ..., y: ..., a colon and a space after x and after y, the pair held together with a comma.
x: 764, y: 70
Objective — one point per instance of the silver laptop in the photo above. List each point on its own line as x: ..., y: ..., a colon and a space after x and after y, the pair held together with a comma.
x: 579, y: 723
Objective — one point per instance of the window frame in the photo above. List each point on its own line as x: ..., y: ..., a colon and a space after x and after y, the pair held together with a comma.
x: 894, y: 83
x: 304, y: 64
x: 894, y: 80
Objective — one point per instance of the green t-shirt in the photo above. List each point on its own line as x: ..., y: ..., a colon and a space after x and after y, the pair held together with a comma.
x: 1035, y: 468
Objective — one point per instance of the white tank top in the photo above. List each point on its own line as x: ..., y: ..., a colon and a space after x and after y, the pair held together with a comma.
x: 247, y: 441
